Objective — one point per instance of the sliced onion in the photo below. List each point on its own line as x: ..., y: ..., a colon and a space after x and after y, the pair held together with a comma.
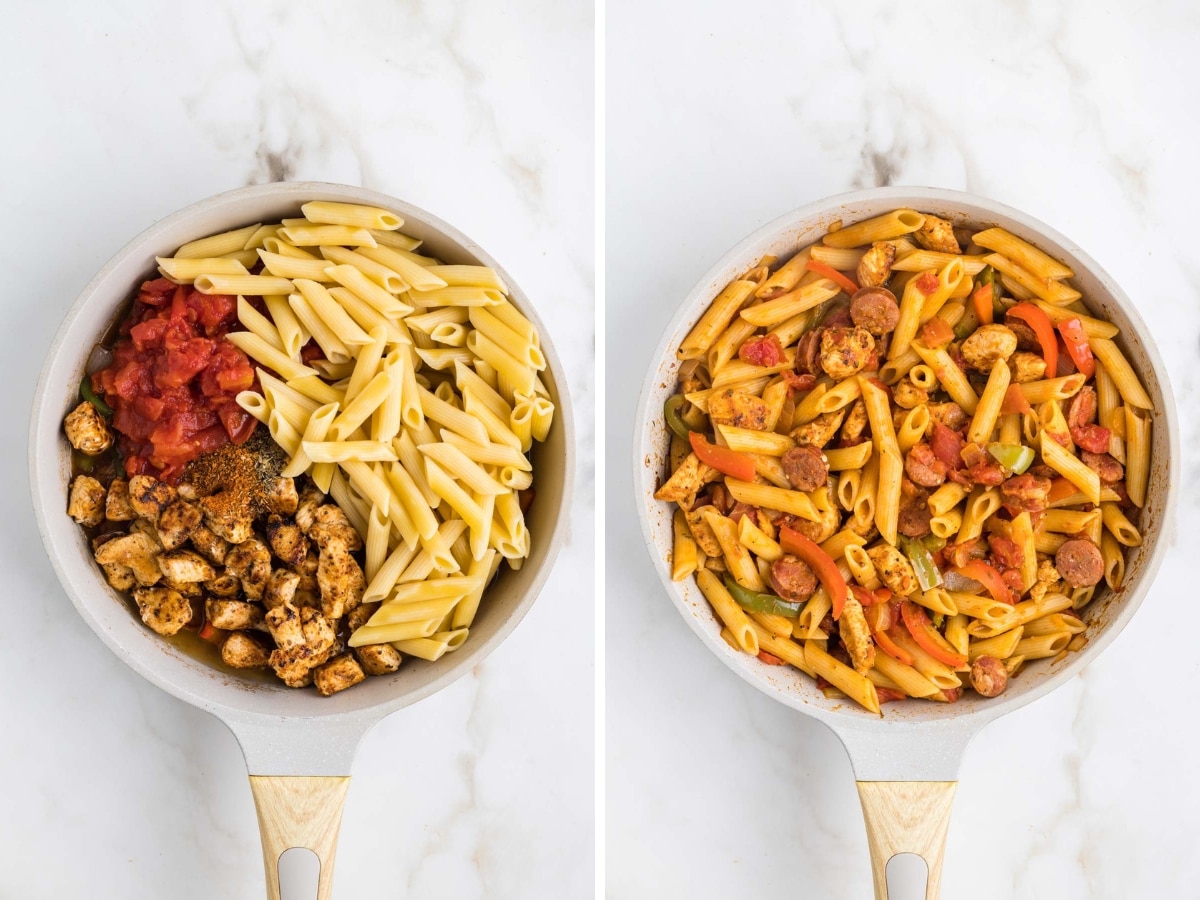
x: 961, y: 583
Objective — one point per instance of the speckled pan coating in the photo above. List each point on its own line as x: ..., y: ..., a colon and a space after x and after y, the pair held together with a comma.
x: 915, y: 740
x: 282, y: 731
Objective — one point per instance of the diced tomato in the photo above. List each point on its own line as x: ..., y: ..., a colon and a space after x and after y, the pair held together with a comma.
x: 762, y: 351
x: 947, y: 445
x: 1014, y: 401
x: 799, y: 383
x: 972, y: 455
x: 311, y: 351
x: 863, y: 596
x: 927, y: 283
x: 936, y: 333
x: 1093, y: 438
x: 888, y: 695
x: 770, y: 659
x: 1076, y: 344
x: 1005, y: 551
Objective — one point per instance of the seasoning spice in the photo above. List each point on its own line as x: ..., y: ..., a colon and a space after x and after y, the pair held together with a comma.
x: 241, y: 475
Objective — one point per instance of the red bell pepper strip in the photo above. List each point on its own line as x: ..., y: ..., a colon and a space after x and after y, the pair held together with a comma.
x: 982, y: 298
x: 892, y: 649
x: 1014, y: 401
x: 770, y: 659
x: 820, y: 562
x: 1077, y: 346
x: 726, y: 461
x: 989, y: 576
x: 1040, y: 323
x: 826, y: 271
x: 927, y: 637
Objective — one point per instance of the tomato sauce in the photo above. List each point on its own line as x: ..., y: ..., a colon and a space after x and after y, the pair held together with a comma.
x: 173, y: 380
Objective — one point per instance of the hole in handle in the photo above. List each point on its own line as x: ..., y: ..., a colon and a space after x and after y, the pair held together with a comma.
x: 299, y: 871
x: 907, y: 877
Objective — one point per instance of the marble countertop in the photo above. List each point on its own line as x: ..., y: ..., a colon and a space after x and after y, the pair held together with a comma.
x: 1080, y: 115
x: 121, y: 113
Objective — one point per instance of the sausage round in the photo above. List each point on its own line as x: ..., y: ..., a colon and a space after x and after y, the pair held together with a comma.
x: 1026, y: 336
x: 989, y: 678
x: 914, y: 515
x: 808, y: 353
x: 1026, y: 492
x: 923, y: 467
x: 1080, y: 563
x: 806, y: 467
x: 792, y: 579
x: 1082, y: 408
x: 1109, y: 469
x: 875, y: 309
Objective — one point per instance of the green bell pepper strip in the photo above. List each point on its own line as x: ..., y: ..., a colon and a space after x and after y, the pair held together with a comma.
x: 1017, y: 458
x: 761, y: 603
x: 86, y: 392
x: 933, y: 543
x: 926, y: 571
x: 967, y: 324
x: 671, y: 412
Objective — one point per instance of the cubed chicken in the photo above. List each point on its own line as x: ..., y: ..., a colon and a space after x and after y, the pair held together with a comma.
x: 189, y: 589
x: 937, y: 234
x: 337, y: 675
x: 949, y: 414
x: 357, y: 617
x: 907, y: 395
x: 987, y: 344
x: 303, y: 638
x: 86, y: 503
x: 330, y: 524
x: 233, y: 615
x: 287, y: 540
x: 117, y: 507
x: 250, y: 561
x: 378, y: 659
x: 163, y: 609
x: 149, y: 497
x: 685, y: 481
x: 119, y: 576
x: 340, y: 579
x: 819, y: 431
x: 137, y: 552
x: 306, y: 510
x: 242, y: 651
x: 228, y: 516
x: 282, y: 498
x: 856, y: 636
x: 739, y: 409
x: 893, y: 569
x: 705, y: 537
x: 210, y: 545
x: 87, y: 431
x: 1026, y: 367
x: 185, y: 565
x: 846, y: 351
x: 226, y: 585
x: 177, y: 523
x: 281, y: 588
x: 876, y: 264
x: 856, y: 422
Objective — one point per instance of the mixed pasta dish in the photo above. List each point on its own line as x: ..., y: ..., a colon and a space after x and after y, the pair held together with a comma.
x: 905, y: 459
x: 308, y: 444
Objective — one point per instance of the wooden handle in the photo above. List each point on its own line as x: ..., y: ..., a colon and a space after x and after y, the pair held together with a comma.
x: 297, y: 811
x: 907, y: 817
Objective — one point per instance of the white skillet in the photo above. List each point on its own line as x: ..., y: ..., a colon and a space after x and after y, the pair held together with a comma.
x: 298, y: 745
x: 906, y: 763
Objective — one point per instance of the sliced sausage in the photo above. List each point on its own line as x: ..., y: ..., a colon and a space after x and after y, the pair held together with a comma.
x: 875, y: 309
x: 989, y: 678
x: 806, y: 467
x: 808, y: 353
x: 913, y: 520
x: 949, y: 414
x: 1080, y: 563
x: 923, y: 467
x: 792, y: 579
x: 1109, y: 469
x: 1026, y: 492
x: 1082, y: 408
x: 1026, y: 337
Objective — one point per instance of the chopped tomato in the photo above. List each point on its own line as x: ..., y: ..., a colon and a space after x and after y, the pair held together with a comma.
x: 927, y: 637
x: 864, y: 597
x: 947, y: 445
x: 936, y: 333
x: 799, y: 383
x: 1007, y: 552
x: 927, y: 282
x: 888, y: 695
x: 982, y: 298
x: 1014, y: 401
x: 762, y: 351
x: 770, y: 659
x: 1093, y: 438
x: 728, y: 462
x: 1060, y: 489
x: 826, y: 271
x: 1076, y: 342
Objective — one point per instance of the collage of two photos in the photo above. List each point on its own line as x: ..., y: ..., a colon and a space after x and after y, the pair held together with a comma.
x: 502, y: 452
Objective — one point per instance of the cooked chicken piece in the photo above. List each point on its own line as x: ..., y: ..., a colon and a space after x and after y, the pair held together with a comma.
x: 856, y: 422
x: 251, y: 562
x: 340, y: 579
x: 741, y: 410
x: 1026, y: 367
x: 378, y: 659
x: 233, y: 615
x: 281, y: 588
x: 820, y: 431
x: 687, y: 480
x: 177, y: 522
x: 287, y: 540
x: 149, y: 497
x: 949, y: 414
x: 228, y: 517
x: 87, y: 431
x: 1048, y: 581
x: 282, y: 497
x: 357, y: 617
x: 706, y: 538
x: 117, y: 507
x: 242, y: 651
x: 210, y: 545
x: 136, y: 551
x: 864, y: 528
x: 876, y: 265
x: 164, y: 610
x: 226, y: 585
x: 893, y: 569
x: 908, y: 395
x: 189, y: 589
x: 187, y: 491
x: 337, y: 675
x: 307, y: 571
x: 829, y: 523
x: 846, y: 351
x: 330, y: 524
x: 185, y: 565
x: 304, y: 638
x: 856, y: 635
x: 119, y: 576
x: 86, y: 503
x: 937, y: 234
x: 988, y: 344
x: 306, y: 510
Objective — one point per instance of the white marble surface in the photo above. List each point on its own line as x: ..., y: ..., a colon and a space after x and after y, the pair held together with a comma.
x: 719, y: 118
x: 119, y: 113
